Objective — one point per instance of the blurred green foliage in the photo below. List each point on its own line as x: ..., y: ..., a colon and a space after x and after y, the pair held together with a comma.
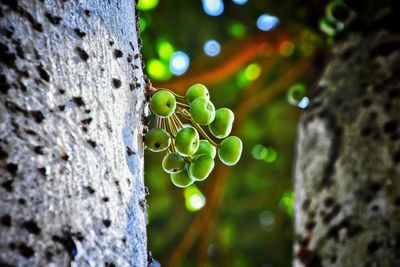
x: 250, y: 223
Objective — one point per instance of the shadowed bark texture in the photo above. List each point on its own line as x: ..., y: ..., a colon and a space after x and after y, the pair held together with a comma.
x: 347, y: 171
x: 72, y: 102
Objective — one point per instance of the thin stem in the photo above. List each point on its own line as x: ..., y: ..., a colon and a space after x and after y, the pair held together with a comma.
x: 172, y: 92
x: 203, y: 133
x: 180, y: 104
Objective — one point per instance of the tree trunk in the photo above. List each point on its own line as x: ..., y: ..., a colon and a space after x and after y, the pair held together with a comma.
x: 347, y: 171
x: 71, y: 155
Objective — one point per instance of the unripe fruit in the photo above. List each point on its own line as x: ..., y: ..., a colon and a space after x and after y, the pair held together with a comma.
x: 201, y: 167
x: 157, y: 139
x: 187, y: 141
x: 163, y: 103
x: 181, y: 179
x: 202, y: 111
x: 196, y: 90
x: 173, y: 162
x: 205, y: 148
x: 221, y: 127
x: 230, y: 150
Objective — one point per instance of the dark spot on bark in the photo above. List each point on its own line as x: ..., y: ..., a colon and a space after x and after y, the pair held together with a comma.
x: 397, y: 201
x: 310, y: 225
x: 91, y: 143
x: 21, y: 201
x: 329, y: 201
x: 132, y: 86
x: 86, y: 121
x: 80, y: 33
x: 111, y: 42
x: 48, y: 255
x: 118, y: 53
x: 390, y: 126
x: 25, y: 250
x: 87, y: 111
x: 79, y: 236
x: 129, y: 151
x: 129, y: 58
x: 373, y: 246
x: 84, y: 128
x: 30, y: 132
x: 396, y: 157
x: 78, y: 101
x: 37, y: 115
x: 385, y: 48
x: 366, y: 102
x: 38, y: 150
x: 116, y: 83
x: 15, y: 108
x: 68, y: 244
x: 107, y: 223
x: 306, y: 204
x: 61, y: 91
x: 375, y: 208
x: 89, y: 189
x: 31, y: 227
x: 42, y: 170
x: 393, y: 93
x: 4, y: 85
x: 366, y: 131
x: 374, y: 186
x: 12, y: 246
x: 123, y: 240
x: 347, y: 53
x: 387, y: 107
x: 87, y: 12
x: 64, y: 156
x: 61, y: 107
x: 55, y: 20
x: 12, y: 168
x: 354, y: 230
x: 82, y: 53
x: 105, y: 199
x: 5, y: 264
x: 43, y: 73
x: 6, y: 220
x: 333, y: 259
x: 6, y: 56
x: 109, y: 264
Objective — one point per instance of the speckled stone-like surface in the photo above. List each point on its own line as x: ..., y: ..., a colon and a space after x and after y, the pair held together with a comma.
x: 72, y: 101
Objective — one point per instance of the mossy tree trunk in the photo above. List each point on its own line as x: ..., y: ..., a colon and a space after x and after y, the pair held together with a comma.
x: 71, y: 156
x: 347, y: 172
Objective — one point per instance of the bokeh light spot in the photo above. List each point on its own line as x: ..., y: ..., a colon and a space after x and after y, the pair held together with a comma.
x: 213, y: 7
x: 179, y: 63
x: 286, y: 49
x: 147, y: 4
x: 157, y: 70
x: 252, y: 71
x: 266, y: 218
x: 267, y: 22
x: 212, y: 48
x: 240, y: 2
x: 304, y: 102
x: 259, y: 152
x: 296, y: 93
x: 237, y: 29
x: 165, y: 49
x: 194, y: 199
x: 142, y: 24
x: 287, y: 203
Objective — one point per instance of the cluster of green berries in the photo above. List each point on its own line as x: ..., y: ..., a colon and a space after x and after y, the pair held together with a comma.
x: 190, y: 151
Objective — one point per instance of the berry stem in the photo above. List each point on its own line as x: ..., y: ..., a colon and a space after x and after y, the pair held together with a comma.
x: 175, y: 94
x: 182, y: 104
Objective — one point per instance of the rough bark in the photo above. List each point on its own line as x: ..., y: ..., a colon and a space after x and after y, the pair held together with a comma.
x: 71, y: 155
x: 347, y: 171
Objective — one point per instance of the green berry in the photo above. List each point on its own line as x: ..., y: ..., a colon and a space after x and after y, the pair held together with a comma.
x: 173, y: 162
x: 187, y: 141
x: 221, y: 127
x: 205, y: 148
x: 163, y: 103
x: 157, y: 139
x: 201, y: 167
x: 230, y: 150
x: 181, y: 179
x: 202, y: 111
x: 196, y: 90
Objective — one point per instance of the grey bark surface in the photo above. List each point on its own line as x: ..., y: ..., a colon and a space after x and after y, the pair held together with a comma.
x: 72, y: 102
x: 347, y: 170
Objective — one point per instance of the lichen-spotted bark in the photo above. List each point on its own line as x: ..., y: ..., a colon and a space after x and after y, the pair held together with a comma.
x: 71, y: 155
x: 347, y: 171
